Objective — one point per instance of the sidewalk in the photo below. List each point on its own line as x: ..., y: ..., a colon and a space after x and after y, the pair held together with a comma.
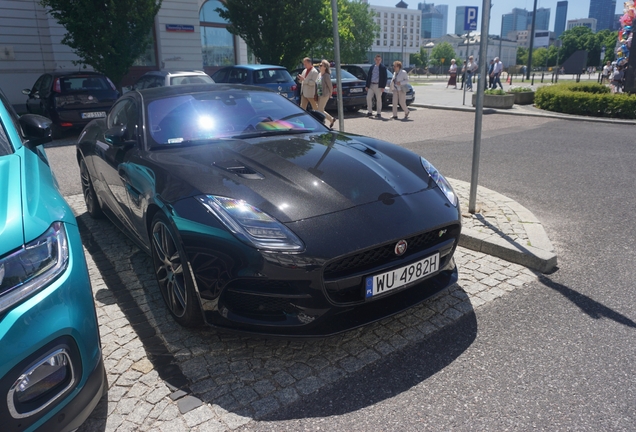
x: 432, y: 93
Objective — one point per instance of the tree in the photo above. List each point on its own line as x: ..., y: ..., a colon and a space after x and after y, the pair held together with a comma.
x: 107, y: 35
x: 443, y: 51
x: 522, y: 56
x: 356, y: 30
x: 420, y: 59
x: 278, y: 32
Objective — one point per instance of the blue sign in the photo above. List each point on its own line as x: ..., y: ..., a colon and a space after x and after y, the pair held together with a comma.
x: 470, y: 18
x: 180, y: 28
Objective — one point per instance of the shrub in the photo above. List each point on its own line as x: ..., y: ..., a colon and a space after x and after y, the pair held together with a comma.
x: 519, y: 89
x: 588, y: 99
x: 498, y: 92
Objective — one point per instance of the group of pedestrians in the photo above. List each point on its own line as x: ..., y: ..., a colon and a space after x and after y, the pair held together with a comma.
x: 316, y: 87
x: 614, y: 75
x: 469, y: 68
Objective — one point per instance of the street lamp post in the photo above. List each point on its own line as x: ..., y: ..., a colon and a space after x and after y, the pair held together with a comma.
x: 403, y: 45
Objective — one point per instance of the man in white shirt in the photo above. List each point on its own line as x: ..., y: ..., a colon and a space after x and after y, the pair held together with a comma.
x: 607, y: 69
x: 496, y: 73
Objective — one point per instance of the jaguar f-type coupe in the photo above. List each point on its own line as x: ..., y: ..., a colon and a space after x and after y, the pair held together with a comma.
x: 261, y: 219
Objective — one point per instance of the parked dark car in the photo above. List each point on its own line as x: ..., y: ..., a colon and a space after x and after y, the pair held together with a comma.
x: 51, y: 369
x: 361, y: 71
x: 70, y: 99
x: 354, y: 96
x: 275, y: 78
x: 167, y: 78
x: 260, y: 218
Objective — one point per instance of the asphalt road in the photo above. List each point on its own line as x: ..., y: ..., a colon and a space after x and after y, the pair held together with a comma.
x: 557, y: 355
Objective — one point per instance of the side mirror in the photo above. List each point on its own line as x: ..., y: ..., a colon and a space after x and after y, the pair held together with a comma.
x: 26, y: 92
x: 36, y: 129
x: 115, y: 136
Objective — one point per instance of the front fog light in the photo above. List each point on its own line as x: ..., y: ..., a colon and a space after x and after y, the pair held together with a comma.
x: 41, y: 385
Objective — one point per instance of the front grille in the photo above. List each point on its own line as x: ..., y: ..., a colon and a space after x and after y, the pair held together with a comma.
x: 372, y: 258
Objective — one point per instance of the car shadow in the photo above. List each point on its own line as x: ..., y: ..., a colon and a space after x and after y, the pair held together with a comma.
x: 391, y: 376
x: 251, y: 376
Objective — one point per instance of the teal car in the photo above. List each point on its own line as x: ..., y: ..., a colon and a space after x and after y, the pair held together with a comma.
x: 51, y: 369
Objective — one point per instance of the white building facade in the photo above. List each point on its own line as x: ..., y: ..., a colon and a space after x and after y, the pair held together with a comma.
x: 187, y: 34
x: 582, y: 22
x: 399, y: 34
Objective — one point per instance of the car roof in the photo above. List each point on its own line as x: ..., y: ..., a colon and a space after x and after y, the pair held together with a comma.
x: 256, y: 66
x: 71, y: 73
x: 168, y: 91
x: 164, y: 73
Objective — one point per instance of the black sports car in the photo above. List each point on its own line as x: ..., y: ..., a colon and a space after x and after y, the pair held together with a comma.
x: 261, y: 219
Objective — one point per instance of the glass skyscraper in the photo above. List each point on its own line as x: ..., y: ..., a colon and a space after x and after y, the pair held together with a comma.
x: 561, y: 18
x: 603, y: 11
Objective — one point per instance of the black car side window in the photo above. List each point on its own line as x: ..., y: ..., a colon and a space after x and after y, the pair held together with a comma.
x: 118, y: 115
x: 132, y: 121
x: 36, y: 86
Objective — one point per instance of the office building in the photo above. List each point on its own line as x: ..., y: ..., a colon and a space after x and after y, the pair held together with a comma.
x: 561, y: 18
x: 583, y: 22
x: 399, y: 34
x: 603, y: 11
x: 517, y: 20
x: 543, y: 19
x: 460, y: 17
x: 434, y: 20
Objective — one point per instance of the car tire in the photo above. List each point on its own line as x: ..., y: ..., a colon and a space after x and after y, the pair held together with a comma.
x: 90, y: 197
x: 173, y: 273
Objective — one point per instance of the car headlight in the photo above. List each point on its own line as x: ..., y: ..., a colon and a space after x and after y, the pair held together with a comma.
x: 33, y: 266
x: 441, y: 182
x: 251, y: 225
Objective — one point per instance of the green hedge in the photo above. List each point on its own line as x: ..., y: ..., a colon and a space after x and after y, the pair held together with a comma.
x: 585, y: 99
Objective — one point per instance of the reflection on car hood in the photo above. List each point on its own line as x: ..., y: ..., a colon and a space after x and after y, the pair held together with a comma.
x: 294, y: 177
x: 11, y: 231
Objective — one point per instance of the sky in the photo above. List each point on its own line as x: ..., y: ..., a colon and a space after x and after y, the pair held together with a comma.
x: 576, y: 9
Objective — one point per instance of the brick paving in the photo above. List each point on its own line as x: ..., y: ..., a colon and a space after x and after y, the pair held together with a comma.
x: 165, y: 378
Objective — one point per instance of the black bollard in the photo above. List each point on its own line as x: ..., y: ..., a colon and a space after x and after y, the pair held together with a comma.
x: 532, y: 83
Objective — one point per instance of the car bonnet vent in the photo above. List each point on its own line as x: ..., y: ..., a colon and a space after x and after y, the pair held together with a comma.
x: 239, y: 168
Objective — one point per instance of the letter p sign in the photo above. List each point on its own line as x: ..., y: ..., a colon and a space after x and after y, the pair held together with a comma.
x: 470, y: 18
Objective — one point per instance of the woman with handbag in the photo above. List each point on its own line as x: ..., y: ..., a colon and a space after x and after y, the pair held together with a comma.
x: 452, y: 81
x: 324, y: 89
x: 398, y: 87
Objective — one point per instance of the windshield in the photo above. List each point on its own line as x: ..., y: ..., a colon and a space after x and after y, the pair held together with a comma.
x: 345, y: 75
x: 193, y: 118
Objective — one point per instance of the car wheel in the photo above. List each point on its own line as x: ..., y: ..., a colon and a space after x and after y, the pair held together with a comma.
x: 90, y: 197
x: 173, y: 274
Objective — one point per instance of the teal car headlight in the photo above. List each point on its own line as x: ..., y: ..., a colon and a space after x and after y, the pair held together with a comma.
x: 33, y: 266
x: 252, y: 225
x: 441, y: 182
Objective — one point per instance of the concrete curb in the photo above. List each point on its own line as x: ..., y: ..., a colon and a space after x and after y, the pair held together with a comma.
x: 536, y: 252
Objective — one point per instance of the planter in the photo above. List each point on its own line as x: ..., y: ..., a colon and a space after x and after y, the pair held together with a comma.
x: 523, y: 98
x: 496, y: 101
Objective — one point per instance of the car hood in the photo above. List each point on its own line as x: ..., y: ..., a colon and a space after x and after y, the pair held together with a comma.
x: 31, y: 202
x: 294, y: 177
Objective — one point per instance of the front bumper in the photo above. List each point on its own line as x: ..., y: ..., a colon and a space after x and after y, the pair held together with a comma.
x: 61, y: 316
x: 321, y: 291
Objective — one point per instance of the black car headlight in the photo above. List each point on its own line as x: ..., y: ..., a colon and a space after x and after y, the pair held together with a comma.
x: 33, y: 266
x: 252, y: 225
x: 441, y: 182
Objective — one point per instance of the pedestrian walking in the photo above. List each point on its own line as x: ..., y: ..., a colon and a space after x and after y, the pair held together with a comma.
x: 324, y: 89
x: 605, y: 73
x: 471, y: 68
x: 617, y: 80
x: 398, y: 88
x: 308, y: 78
x: 452, y: 71
x: 376, y: 81
x: 488, y: 83
x: 496, y: 73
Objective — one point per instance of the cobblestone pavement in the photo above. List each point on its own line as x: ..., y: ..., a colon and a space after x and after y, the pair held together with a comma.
x: 165, y: 378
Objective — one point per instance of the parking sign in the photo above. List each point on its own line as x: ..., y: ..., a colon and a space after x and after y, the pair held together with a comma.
x: 470, y: 18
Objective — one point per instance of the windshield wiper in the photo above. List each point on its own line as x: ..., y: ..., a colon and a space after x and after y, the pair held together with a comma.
x: 272, y: 133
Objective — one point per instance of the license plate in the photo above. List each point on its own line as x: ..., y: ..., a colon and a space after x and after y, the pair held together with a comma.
x: 97, y: 114
x: 355, y: 90
x: 394, y: 279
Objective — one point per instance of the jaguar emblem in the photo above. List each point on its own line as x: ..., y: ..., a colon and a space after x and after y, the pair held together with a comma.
x: 400, y: 247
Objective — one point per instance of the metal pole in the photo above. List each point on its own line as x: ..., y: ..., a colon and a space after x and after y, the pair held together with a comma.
x: 466, y: 73
x: 534, y: 21
x: 483, y: 49
x: 336, y: 49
